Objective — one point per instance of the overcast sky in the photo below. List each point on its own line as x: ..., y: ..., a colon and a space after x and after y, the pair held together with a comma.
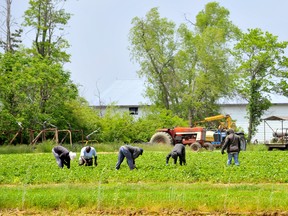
x: 98, y: 32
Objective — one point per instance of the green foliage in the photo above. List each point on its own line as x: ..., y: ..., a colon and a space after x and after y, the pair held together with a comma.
x: 116, y: 126
x: 48, y: 19
x: 16, y: 149
x: 185, y: 75
x: 82, y: 117
x: 34, y: 182
x: 33, y: 90
x: 256, y: 147
x: 34, y: 87
x: 44, y: 147
x: 155, y: 118
x: 255, y: 167
x: 153, y: 46
x: 125, y: 128
x: 262, y: 69
x: 122, y: 127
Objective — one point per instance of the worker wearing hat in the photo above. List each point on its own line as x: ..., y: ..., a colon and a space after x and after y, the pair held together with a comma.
x: 131, y: 153
x: 63, y: 156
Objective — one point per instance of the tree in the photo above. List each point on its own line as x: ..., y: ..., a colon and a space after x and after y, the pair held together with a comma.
x: 204, y: 60
x: 48, y: 19
x: 153, y: 46
x: 12, y: 38
x: 262, y: 69
x: 22, y: 78
x: 185, y: 68
x: 34, y: 87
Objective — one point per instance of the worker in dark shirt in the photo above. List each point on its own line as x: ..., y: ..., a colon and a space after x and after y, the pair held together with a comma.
x: 177, y: 151
x: 63, y: 156
x: 233, y: 145
x: 131, y: 153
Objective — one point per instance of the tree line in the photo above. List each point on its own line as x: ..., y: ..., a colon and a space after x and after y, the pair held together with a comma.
x: 190, y: 67
x: 187, y: 68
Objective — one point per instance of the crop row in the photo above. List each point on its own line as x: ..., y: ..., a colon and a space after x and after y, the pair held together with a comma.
x: 41, y: 168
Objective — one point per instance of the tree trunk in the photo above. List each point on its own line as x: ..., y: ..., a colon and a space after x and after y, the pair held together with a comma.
x: 249, y: 137
x: 8, y: 45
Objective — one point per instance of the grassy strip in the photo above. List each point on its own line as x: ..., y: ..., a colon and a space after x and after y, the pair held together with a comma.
x: 148, y: 197
x: 48, y: 145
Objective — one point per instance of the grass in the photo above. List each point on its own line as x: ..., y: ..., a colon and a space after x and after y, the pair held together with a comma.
x: 46, y: 147
x: 32, y: 183
x: 197, y: 197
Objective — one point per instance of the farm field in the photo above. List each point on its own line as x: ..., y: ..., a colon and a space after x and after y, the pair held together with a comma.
x: 31, y: 183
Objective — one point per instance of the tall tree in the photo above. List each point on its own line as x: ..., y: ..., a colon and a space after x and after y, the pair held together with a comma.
x: 33, y: 83
x: 262, y: 70
x: 11, y: 38
x: 185, y: 68
x: 154, y: 47
x: 48, y: 19
x: 22, y: 78
x: 204, y: 60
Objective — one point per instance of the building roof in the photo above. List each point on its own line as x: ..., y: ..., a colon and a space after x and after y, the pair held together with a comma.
x: 125, y: 93
x: 131, y: 93
x: 275, y: 118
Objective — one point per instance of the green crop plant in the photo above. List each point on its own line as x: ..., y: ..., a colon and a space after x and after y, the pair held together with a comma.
x: 32, y: 182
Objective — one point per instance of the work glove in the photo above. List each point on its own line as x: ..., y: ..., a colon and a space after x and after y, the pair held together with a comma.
x: 222, y: 152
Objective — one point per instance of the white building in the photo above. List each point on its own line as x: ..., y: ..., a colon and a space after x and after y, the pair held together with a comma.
x: 128, y: 95
x: 237, y: 110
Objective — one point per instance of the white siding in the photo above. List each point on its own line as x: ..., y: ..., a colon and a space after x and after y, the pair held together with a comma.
x: 238, y: 113
x: 129, y: 93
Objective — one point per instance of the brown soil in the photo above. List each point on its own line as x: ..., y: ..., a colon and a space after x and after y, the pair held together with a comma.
x: 128, y: 212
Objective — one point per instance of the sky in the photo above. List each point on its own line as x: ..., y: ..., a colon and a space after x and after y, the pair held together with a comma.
x: 98, y: 32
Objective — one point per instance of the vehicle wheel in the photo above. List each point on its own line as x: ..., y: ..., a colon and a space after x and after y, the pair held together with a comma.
x: 243, y: 143
x: 161, y: 137
x: 195, y: 146
x: 209, y: 146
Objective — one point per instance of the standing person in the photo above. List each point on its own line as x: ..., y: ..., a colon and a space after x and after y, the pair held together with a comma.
x: 177, y: 151
x: 131, y: 153
x: 63, y: 156
x: 86, y: 156
x: 233, y: 145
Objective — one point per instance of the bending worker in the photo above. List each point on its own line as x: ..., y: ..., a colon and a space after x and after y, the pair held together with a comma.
x: 86, y: 156
x: 131, y: 153
x: 177, y: 151
x: 63, y: 156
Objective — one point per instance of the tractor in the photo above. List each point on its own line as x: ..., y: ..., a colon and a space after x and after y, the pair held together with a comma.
x: 198, y: 137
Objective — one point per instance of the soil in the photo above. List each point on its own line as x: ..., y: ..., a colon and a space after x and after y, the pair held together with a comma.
x: 127, y: 212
